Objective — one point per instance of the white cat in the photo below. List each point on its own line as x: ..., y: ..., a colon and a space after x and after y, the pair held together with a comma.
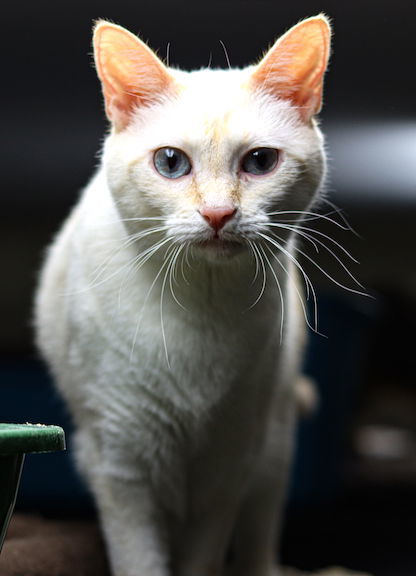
x: 168, y: 307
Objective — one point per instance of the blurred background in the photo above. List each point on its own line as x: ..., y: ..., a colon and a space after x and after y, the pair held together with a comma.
x: 353, y: 494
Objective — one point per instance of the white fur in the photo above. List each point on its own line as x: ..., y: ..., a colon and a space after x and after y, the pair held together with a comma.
x: 184, y: 415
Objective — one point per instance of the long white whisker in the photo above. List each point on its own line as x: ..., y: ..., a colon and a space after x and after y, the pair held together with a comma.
x: 172, y: 274
x: 191, y: 250
x: 296, y: 219
x: 282, y: 314
x: 337, y: 258
x: 143, y: 219
x: 308, y: 283
x: 256, y: 259
x: 293, y: 228
x: 99, y: 271
x: 312, y: 230
x: 226, y: 54
x: 316, y: 241
x: 314, y: 214
x: 339, y: 211
x: 301, y: 300
x: 185, y: 259
x: 139, y: 261
x: 174, y: 278
x: 163, y: 265
x: 329, y: 276
x: 263, y: 268
x: 162, y: 293
x: 167, y: 54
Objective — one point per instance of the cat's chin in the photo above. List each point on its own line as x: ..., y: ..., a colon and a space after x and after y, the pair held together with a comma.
x: 218, y: 250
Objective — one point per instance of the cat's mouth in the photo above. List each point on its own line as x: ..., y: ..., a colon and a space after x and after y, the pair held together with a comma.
x: 221, y: 247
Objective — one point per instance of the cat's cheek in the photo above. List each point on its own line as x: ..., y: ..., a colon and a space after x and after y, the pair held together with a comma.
x: 263, y: 194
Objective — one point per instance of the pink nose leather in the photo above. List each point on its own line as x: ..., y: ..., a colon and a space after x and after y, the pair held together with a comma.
x: 217, y: 217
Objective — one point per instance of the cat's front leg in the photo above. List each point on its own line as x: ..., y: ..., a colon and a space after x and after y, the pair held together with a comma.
x: 205, y: 542
x: 133, y: 528
x: 216, y: 481
x: 132, y: 521
x: 259, y: 522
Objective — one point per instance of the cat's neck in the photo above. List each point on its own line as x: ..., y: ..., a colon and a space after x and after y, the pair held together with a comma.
x: 237, y: 288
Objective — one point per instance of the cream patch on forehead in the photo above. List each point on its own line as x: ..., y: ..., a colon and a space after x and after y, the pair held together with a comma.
x: 211, y: 97
x: 221, y: 105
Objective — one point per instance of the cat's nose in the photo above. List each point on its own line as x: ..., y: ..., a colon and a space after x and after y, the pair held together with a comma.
x: 217, y: 217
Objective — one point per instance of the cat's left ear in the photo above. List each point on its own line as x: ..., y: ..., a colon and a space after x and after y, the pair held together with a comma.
x: 294, y: 68
x: 131, y: 74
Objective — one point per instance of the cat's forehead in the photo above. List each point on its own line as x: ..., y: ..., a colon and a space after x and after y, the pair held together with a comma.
x: 218, y: 105
x: 213, y: 79
x: 213, y: 93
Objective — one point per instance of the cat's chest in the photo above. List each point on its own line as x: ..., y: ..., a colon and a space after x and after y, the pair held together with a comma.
x: 204, y: 320
x: 188, y: 358
x: 202, y: 346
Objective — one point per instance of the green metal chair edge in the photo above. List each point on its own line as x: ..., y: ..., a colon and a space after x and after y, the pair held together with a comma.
x: 30, y: 438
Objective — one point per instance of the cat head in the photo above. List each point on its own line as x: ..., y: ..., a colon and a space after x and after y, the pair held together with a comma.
x: 213, y: 154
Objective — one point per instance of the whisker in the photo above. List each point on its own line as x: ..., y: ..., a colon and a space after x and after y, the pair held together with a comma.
x: 136, y: 332
x: 192, y: 256
x: 276, y: 244
x: 185, y: 258
x: 167, y: 54
x: 143, y: 219
x: 282, y: 315
x: 340, y: 213
x: 263, y: 268
x: 314, y: 214
x: 294, y: 228
x: 139, y: 261
x: 172, y: 276
x: 301, y: 300
x: 162, y: 293
x: 302, y: 218
x: 174, y: 271
x: 347, y: 288
x: 330, y: 239
x: 337, y: 258
x: 256, y: 259
x: 226, y: 54
x: 99, y: 271
x: 315, y: 241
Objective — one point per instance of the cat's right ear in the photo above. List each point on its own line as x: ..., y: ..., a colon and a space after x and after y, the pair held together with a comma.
x: 294, y: 68
x: 131, y: 74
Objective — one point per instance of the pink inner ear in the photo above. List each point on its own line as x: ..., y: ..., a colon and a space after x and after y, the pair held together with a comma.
x: 295, y: 66
x: 130, y: 73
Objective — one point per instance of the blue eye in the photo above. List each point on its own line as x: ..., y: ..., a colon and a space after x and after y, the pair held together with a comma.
x: 171, y: 162
x: 260, y: 161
